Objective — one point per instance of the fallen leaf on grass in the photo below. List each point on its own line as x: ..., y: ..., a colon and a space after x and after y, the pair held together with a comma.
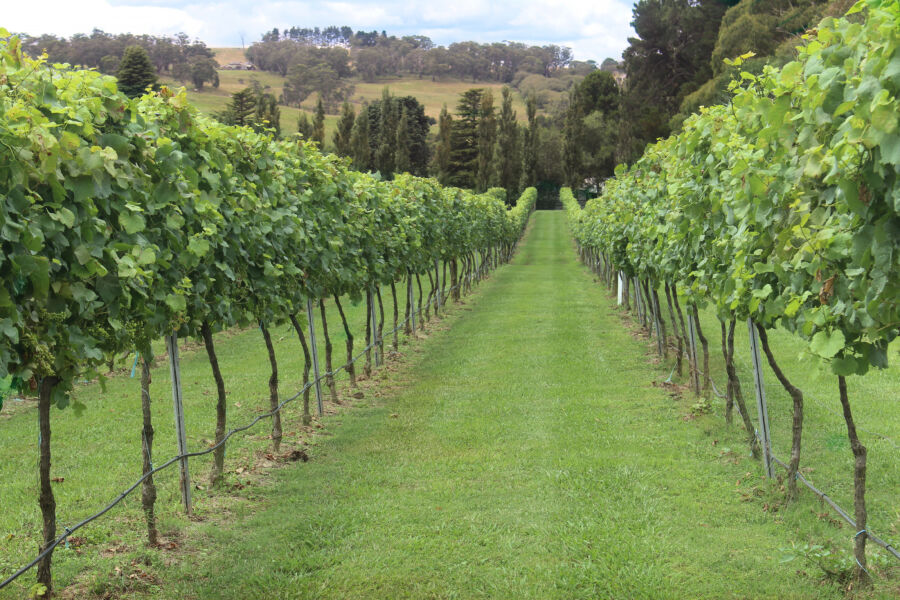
x: 58, y: 479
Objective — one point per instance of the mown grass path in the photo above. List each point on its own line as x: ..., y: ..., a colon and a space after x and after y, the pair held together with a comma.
x: 527, y: 456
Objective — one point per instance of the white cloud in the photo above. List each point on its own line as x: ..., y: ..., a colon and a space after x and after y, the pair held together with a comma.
x: 595, y: 29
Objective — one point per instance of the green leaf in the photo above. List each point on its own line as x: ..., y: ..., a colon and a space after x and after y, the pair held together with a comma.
x: 83, y: 254
x: 198, y: 246
x: 176, y: 302
x: 827, y: 344
x: 131, y: 222
x: 844, y: 366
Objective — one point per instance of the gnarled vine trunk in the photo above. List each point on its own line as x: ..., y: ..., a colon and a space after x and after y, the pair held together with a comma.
x: 218, y: 466
x: 46, y: 500
x: 307, y: 366
x: 797, y: 417
x: 859, y: 487
x: 351, y: 369
x: 148, y: 488
x: 329, y: 379
x: 739, y: 393
x: 273, y: 388
x: 707, y: 378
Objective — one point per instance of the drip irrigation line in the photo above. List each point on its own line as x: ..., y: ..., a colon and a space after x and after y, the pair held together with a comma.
x: 64, y: 538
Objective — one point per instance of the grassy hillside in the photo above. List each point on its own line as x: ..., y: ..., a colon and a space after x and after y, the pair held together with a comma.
x: 432, y: 94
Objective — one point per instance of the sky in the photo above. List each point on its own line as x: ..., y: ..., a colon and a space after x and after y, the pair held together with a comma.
x: 594, y: 29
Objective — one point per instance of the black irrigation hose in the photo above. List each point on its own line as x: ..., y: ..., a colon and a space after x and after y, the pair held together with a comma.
x: 70, y: 530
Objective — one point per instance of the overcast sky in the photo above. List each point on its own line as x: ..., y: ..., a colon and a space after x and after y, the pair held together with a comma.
x: 594, y: 29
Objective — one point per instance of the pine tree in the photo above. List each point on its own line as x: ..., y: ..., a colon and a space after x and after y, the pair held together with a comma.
x: 401, y: 148
x: 343, y: 143
x: 464, y: 140
x: 506, y: 153
x: 387, y: 135
x: 487, y: 137
x: 318, y: 133
x: 136, y: 72
x: 359, y: 139
x: 241, y: 109
x: 442, y: 153
x: 530, y: 149
x: 304, y: 127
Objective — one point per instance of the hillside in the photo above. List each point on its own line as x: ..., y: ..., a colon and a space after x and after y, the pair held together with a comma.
x: 432, y: 94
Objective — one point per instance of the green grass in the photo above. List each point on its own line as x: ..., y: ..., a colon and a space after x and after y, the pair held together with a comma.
x: 527, y: 455
x: 99, y: 454
x: 524, y: 450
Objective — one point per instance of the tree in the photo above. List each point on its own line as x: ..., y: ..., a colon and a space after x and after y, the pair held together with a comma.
x: 507, y: 151
x: 318, y: 133
x: 268, y: 115
x: 344, y: 133
x: 669, y: 59
x: 387, y: 135
x: 202, y: 70
x: 530, y: 149
x: 401, y: 148
x: 359, y: 139
x: 304, y: 127
x: 591, y: 126
x: 464, y: 140
x: 487, y: 137
x: 136, y: 72
x: 444, y: 147
x: 241, y: 109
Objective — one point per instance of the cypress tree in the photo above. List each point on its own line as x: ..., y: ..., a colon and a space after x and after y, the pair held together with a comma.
x: 343, y: 142
x: 401, y: 153
x: 506, y: 153
x: 359, y: 140
x: 387, y: 135
x: 136, y: 72
x: 318, y: 133
x: 268, y: 115
x: 304, y: 127
x: 442, y: 153
x: 529, y: 158
x: 487, y: 137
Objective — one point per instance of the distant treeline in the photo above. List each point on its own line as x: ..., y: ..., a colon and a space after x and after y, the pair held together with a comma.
x: 177, y: 56
x: 372, y: 54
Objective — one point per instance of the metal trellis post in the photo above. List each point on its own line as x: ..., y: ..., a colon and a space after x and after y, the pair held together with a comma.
x: 311, y: 319
x: 178, y: 404
x: 761, y: 399
x: 692, y: 348
x: 412, y: 302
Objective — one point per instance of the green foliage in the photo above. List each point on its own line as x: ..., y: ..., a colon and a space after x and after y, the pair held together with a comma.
x: 126, y: 219
x: 463, y: 166
x: 782, y: 206
x: 362, y: 151
x: 343, y: 142
x: 508, y: 149
x: 487, y: 138
x: 530, y: 145
x: 444, y: 146
x: 304, y: 127
x: 318, y: 133
x: 135, y: 72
